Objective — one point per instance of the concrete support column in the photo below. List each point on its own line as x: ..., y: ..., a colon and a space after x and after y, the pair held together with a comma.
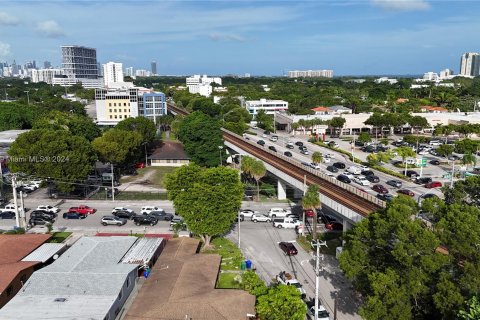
x: 281, y: 190
x: 297, y: 193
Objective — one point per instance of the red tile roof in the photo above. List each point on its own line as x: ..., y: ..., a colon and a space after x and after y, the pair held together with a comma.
x: 321, y: 109
x: 432, y: 108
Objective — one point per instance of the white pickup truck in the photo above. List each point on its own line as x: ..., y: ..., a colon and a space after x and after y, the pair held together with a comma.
x: 278, y: 212
x: 287, y: 279
x: 286, y: 223
x: 9, y: 207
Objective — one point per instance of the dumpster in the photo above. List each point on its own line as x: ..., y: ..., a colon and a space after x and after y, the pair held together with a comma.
x: 243, y: 265
x: 248, y: 264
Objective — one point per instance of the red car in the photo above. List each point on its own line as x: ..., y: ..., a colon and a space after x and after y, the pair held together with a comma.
x: 139, y: 165
x: 406, y: 192
x: 82, y: 210
x: 288, y: 248
x: 334, y: 225
x: 433, y: 184
x: 309, y: 213
x: 380, y: 189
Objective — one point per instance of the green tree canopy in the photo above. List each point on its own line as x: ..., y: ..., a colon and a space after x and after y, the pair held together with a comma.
x: 311, y: 201
x: 282, y: 302
x: 145, y: 127
x: 364, y: 137
x: 18, y: 116
x: 207, y: 198
x: 472, y: 310
x: 118, y: 146
x: 78, y: 125
x: 56, y: 154
x: 264, y: 120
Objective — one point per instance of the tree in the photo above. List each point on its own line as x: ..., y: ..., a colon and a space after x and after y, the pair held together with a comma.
x: 145, y: 127
x: 78, y: 125
x: 17, y: 116
x: 376, y: 121
x: 444, y: 130
x: 464, y: 191
x: 281, y: 302
x: 469, y: 158
x: 311, y: 201
x: 247, y: 165
x: 264, y: 120
x: 258, y: 171
x: 55, y: 154
x: 472, y: 310
x: 253, y: 284
x: 201, y: 137
x: 337, y: 123
x: 317, y: 157
x: 207, y: 198
x: 418, y: 122
x: 405, y: 152
x: 364, y: 137
x: 445, y: 150
x: 117, y: 146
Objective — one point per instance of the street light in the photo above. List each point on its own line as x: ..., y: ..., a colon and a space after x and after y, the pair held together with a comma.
x: 220, y: 148
x: 28, y: 96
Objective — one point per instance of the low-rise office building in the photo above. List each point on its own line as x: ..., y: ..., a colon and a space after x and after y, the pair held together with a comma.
x: 202, y: 84
x: 269, y: 106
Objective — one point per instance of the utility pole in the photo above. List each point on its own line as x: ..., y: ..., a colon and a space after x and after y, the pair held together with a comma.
x: 28, y: 96
x: 113, y: 189
x: 317, y: 244
x: 353, y: 148
x: 304, y: 191
x: 453, y: 173
x: 238, y: 218
x: 14, y: 189
x: 220, y: 149
x: 274, y: 121
x: 22, y: 212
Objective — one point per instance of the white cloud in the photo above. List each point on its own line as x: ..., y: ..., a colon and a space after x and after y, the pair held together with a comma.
x: 7, y: 20
x: 50, y: 29
x: 4, y: 50
x: 215, y: 36
x: 402, y: 5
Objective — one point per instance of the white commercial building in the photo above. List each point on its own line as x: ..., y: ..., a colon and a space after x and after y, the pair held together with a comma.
x: 446, y: 74
x: 310, y: 74
x: 269, y: 106
x: 202, y: 84
x: 142, y: 73
x: 470, y: 64
x: 45, y: 75
x: 386, y: 79
x: 112, y: 73
x: 430, y: 76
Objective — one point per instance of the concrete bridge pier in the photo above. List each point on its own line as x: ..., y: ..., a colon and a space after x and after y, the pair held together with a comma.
x: 281, y: 189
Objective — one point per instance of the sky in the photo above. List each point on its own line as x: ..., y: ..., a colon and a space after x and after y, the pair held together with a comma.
x: 350, y: 37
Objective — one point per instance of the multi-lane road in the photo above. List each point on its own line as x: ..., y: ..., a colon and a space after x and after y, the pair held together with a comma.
x: 280, y: 146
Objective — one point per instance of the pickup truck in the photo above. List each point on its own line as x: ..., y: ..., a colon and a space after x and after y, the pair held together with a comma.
x: 83, y: 210
x: 286, y: 223
x: 287, y: 279
x: 9, y: 207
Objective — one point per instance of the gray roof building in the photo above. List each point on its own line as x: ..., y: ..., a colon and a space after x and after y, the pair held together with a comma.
x: 45, y: 252
x: 87, y: 282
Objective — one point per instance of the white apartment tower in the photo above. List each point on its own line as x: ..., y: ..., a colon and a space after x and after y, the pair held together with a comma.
x: 112, y: 73
x: 310, y: 74
x: 202, y: 84
x: 45, y: 75
x: 470, y: 64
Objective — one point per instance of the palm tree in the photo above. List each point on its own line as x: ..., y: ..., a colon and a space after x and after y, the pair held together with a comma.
x: 246, y: 165
x: 317, y: 157
x: 469, y: 158
x: 258, y: 171
x: 311, y: 201
x: 405, y: 152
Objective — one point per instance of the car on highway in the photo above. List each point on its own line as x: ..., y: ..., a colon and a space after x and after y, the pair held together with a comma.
x: 48, y: 208
x: 289, y: 146
x: 145, y: 219
x: 161, y: 215
x: 333, y: 144
x: 121, y: 209
x: 261, y: 218
x: 326, y: 160
x: 124, y: 214
x: 343, y: 178
x: 112, y: 220
x: 367, y: 173
x: 354, y: 170
x: 287, y: 154
x: 387, y: 197
x: 305, y: 152
x: 372, y: 178
x: 247, y: 213
x: 332, y: 169
x: 7, y: 215
x: 261, y: 142
x: 409, y: 173
x: 148, y: 209
x: 339, y: 165
x: 288, y: 248
x: 435, y: 162
x: 422, y: 180
x: 74, y: 215
x: 299, y: 143
x: 272, y: 148
x: 314, y: 165
x: 361, y: 180
x: 406, y: 192
x: 433, y: 184
x: 329, y: 155
x: 395, y: 183
x: 274, y: 138
x: 379, y: 188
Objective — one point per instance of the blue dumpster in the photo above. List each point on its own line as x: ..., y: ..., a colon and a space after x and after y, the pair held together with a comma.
x: 248, y: 264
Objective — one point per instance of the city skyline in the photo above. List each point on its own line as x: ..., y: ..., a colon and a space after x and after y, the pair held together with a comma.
x: 262, y: 38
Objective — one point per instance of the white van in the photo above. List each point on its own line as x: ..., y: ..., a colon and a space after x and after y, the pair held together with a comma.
x: 278, y: 212
x: 354, y: 170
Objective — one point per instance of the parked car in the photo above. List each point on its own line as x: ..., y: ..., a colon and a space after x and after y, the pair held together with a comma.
x: 148, y: 209
x: 435, y: 143
x: 45, y: 214
x: 139, y: 165
x: 325, y: 218
x: 435, y: 162
x: 395, y: 183
x: 129, y: 215
x: 261, y: 218
x: 332, y: 169
x: 287, y: 154
x: 272, y: 148
x: 339, y: 165
x: 428, y: 196
x: 48, y: 208
x: 112, y: 220
x: 343, y: 178
x: 433, y: 184
x: 121, y: 209
x: 278, y: 212
x: 288, y: 248
x: 321, y: 315
x: 7, y: 215
x: 406, y: 192
x: 361, y: 180
x: 145, y: 219
x: 34, y: 221
x: 247, y: 213
x: 309, y: 213
x: 176, y: 220
x: 261, y: 142
x: 334, y: 225
x: 387, y: 197
x: 83, y: 209
x: 372, y: 178
x: 74, y: 215
x: 379, y: 188
x: 161, y: 215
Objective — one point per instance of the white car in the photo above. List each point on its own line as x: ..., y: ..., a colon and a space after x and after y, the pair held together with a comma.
x: 261, y: 218
x: 329, y: 155
x: 322, y: 313
x: 247, y: 213
x: 287, y: 223
x: 348, y: 175
x: 314, y: 166
x: 148, y: 209
x: 328, y: 173
x: 361, y: 180
x: 326, y: 160
x: 278, y: 212
x: 354, y: 170
x: 121, y: 209
x: 274, y: 138
x: 51, y: 209
x: 36, y: 183
x: 435, y: 143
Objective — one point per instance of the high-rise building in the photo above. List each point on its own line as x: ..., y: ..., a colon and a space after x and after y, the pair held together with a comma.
x: 112, y: 72
x: 446, y: 73
x: 47, y: 65
x: 45, y: 75
x: 310, y: 74
x: 79, y: 64
x: 470, y: 64
x: 129, y: 72
x: 142, y: 73
x: 154, y: 68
